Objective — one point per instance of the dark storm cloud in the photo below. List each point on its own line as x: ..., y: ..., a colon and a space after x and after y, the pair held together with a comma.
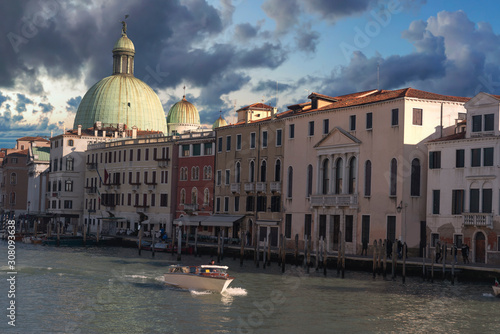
x: 452, y: 56
x: 73, y: 104
x: 46, y: 107
x: 245, y: 31
x: 3, y: 98
x: 306, y: 39
x: 22, y: 101
x: 271, y: 86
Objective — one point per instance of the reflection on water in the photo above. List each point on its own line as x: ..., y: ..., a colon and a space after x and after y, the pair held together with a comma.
x: 113, y: 290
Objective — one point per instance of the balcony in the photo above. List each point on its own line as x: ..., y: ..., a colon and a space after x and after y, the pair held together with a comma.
x: 261, y: 187
x: 91, y: 190
x: 249, y: 187
x: 91, y: 165
x: 334, y: 200
x: 163, y: 162
x: 235, y: 187
x: 141, y: 208
x: 151, y: 186
x: 276, y: 187
x: 190, y: 207
x: 478, y: 219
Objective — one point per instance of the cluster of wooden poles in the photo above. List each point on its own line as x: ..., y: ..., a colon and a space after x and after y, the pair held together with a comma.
x: 380, y: 258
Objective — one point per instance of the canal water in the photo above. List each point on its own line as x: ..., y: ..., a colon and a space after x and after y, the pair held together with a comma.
x: 114, y: 290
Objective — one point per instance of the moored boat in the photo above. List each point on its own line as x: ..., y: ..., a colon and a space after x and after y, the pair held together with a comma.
x: 205, y: 277
x: 496, y: 290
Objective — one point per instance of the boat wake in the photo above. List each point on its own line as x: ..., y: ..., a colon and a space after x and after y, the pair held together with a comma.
x: 235, y: 292
x: 200, y: 293
x: 137, y: 276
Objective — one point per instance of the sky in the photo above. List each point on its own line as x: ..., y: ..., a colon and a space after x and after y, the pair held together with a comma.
x: 232, y: 53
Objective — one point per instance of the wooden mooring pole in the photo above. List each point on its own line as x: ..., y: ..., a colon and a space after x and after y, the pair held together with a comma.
x: 405, y: 249
x: 375, y: 250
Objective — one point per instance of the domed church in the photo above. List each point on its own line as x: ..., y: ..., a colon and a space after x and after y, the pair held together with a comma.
x: 122, y: 100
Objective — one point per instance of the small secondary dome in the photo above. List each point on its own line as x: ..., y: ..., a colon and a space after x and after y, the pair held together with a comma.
x: 183, y: 116
x: 219, y: 122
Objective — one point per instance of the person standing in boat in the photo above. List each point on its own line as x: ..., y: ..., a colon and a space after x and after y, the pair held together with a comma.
x: 438, y: 251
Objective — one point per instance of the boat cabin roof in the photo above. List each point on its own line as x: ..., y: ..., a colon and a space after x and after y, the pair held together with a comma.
x: 211, y: 266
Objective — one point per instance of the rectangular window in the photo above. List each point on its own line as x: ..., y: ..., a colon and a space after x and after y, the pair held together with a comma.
x: 365, y: 229
x: 288, y: 226
x: 489, y: 120
x: 264, y: 139
x: 208, y: 149
x: 307, y: 225
x: 236, y: 203
x: 395, y: 117
x: 226, y: 204
x: 369, y: 120
x: 488, y: 156
x: 227, y: 179
x: 217, y: 204
x: 311, y: 129
x: 477, y: 123
x: 460, y: 158
x: 275, y: 203
x: 252, y: 140
x: 291, y: 131
x: 153, y: 199
x: 250, y: 203
x: 163, y: 200
x: 475, y: 157
x: 196, y: 150
x: 487, y: 200
x: 219, y: 144
x: 279, y: 137
x: 146, y: 155
x: 435, y: 201
x: 435, y: 159
x: 261, y: 203
x: 131, y: 155
x: 391, y: 228
x: 474, y: 200
x: 124, y: 155
x: 417, y: 116
x: 434, y: 239
x: 238, y: 142
x: 349, y: 225
x: 219, y: 177
x: 68, y: 204
x: 352, y: 123
x: 139, y: 154
x: 228, y: 143
x: 457, y: 202
x: 186, y: 150
x: 129, y: 199
x: 326, y: 126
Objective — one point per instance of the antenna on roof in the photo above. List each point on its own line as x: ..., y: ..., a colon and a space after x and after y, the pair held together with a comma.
x: 378, y: 76
x: 184, y: 90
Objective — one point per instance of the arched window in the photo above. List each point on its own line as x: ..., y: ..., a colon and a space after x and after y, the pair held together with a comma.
x: 194, y: 196
x: 206, y: 196
x: 69, y: 164
x: 352, y: 175
x: 183, y: 196
x: 194, y: 175
x: 325, y: 180
x: 237, y: 172
x: 415, y: 177
x: 309, y: 180
x: 368, y: 178
x: 339, y: 166
x: 394, y: 174
x: 13, y: 178
x: 277, y: 171
x: 251, y: 175
x: 207, y: 172
x: 290, y: 182
x: 263, y: 171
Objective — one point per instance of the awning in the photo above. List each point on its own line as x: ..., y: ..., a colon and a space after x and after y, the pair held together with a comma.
x: 268, y: 222
x: 190, y: 220
x: 221, y: 220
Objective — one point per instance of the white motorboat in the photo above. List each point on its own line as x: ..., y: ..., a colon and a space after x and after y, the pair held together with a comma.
x: 496, y: 290
x: 205, y: 277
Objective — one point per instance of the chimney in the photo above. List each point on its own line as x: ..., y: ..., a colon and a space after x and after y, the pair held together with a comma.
x: 134, y: 132
x: 273, y: 113
x: 80, y: 130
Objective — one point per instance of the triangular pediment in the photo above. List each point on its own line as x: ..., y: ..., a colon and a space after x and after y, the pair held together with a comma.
x: 482, y: 99
x: 337, y: 137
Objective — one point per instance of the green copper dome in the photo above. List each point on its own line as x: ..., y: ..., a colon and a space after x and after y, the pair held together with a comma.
x: 219, y: 122
x: 183, y: 112
x: 121, y: 98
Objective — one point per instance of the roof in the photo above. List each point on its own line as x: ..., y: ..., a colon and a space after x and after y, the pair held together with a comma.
x: 256, y: 106
x: 41, y: 153
x: 31, y: 139
x: 455, y: 136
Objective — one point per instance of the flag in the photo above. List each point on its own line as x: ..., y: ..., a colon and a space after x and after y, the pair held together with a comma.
x: 106, y: 176
x: 496, y: 282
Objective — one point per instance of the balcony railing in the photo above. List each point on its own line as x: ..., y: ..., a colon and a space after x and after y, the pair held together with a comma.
x: 334, y: 200
x: 235, y: 187
x: 163, y: 163
x: 191, y: 207
x: 276, y: 186
x: 249, y: 187
x: 151, y: 186
x: 478, y: 219
x: 91, y: 190
x: 261, y: 187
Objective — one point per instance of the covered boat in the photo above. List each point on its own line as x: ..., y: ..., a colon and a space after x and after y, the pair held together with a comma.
x: 205, y: 277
